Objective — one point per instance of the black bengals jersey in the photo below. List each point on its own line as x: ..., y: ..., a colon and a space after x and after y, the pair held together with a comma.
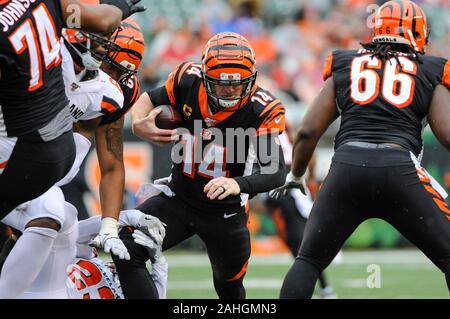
x: 131, y: 92
x: 206, y: 155
x: 31, y: 83
x: 381, y: 102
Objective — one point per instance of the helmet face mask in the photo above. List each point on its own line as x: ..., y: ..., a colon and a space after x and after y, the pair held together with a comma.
x: 226, y: 94
x: 83, y: 48
x: 228, y: 71
x: 122, y: 50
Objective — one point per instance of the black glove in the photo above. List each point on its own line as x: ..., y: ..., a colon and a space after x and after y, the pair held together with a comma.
x: 128, y: 7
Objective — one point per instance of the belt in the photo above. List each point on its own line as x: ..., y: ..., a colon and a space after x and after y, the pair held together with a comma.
x: 373, y: 145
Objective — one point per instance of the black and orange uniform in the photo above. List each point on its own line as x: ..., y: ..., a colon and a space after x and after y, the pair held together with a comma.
x: 221, y: 224
x: 375, y: 172
x: 33, y: 101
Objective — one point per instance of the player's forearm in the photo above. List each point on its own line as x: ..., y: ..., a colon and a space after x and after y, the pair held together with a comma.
x: 260, y: 182
x: 303, y: 150
x: 88, y: 229
x: 141, y: 108
x: 321, y: 113
x: 102, y: 18
x: 271, y: 171
x: 112, y: 187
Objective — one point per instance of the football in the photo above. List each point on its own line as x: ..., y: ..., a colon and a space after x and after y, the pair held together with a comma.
x: 169, y: 118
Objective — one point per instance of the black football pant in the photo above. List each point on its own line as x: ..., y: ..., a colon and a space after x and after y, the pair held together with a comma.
x: 290, y: 225
x: 352, y: 194
x: 33, y: 168
x: 227, y: 241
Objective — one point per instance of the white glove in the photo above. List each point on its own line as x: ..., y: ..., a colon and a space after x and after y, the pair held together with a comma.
x: 153, y: 248
x: 162, y: 181
x: 108, y: 239
x: 291, y: 182
x: 153, y: 227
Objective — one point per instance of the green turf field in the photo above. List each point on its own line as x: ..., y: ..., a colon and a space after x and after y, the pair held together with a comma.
x: 403, y: 274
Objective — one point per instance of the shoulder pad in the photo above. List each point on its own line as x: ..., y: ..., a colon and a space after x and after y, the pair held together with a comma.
x: 270, y: 111
x: 182, y: 76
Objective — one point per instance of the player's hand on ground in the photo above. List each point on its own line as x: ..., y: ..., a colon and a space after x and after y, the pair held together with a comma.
x: 108, y: 239
x: 221, y: 187
x: 153, y: 227
x: 291, y: 182
x: 146, y: 241
x: 147, y: 130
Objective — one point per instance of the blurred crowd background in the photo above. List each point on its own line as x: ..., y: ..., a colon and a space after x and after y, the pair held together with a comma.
x: 291, y: 39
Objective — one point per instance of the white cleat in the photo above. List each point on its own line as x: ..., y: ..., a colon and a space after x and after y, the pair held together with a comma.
x: 327, y: 293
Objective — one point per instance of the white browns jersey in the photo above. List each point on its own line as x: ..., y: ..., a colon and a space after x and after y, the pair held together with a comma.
x: 93, y: 98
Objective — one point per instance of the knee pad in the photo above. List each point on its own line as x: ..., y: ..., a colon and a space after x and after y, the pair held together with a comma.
x: 48, y: 205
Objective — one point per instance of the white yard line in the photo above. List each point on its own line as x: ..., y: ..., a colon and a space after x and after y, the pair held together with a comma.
x: 406, y: 257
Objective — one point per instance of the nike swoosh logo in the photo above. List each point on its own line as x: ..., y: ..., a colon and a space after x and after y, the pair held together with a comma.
x: 278, y: 120
x: 225, y: 215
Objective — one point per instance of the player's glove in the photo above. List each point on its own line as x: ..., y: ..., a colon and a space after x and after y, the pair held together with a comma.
x: 154, y: 250
x: 153, y: 227
x: 128, y: 7
x: 108, y: 239
x: 291, y: 182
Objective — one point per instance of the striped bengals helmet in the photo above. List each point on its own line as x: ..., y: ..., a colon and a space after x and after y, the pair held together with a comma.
x: 130, y: 40
x: 403, y: 22
x: 228, y: 60
x: 123, y: 49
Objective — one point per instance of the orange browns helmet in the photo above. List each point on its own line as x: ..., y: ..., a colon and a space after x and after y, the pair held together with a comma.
x: 130, y: 44
x: 403, y: 22
x: 228, y: 60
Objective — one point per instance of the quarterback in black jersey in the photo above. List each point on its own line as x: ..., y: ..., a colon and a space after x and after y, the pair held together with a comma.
x: 385, y: 93
x: 207, y: 192
x: 36, y: 144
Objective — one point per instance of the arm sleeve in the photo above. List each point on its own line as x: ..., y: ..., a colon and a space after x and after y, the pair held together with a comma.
x: 328, y: 68
x: 159, y: 96
x: 88, y: 229
x: 270, y: 170
x: 446, y: 75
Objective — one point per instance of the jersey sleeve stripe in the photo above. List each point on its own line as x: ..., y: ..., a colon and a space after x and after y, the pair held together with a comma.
x: 170, y: 83
x: 181, y: 71
x: 108, y: 105
x: 270, y: 106
x: 328, y: 69
x: 446, y: 75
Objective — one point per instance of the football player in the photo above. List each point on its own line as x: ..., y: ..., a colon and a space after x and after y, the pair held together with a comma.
x: 385, y: 93
x: 96, y: 107
x: 87, y: 276
x: 36, y: 144
x: 207, y: 195
x: 290, y: 213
